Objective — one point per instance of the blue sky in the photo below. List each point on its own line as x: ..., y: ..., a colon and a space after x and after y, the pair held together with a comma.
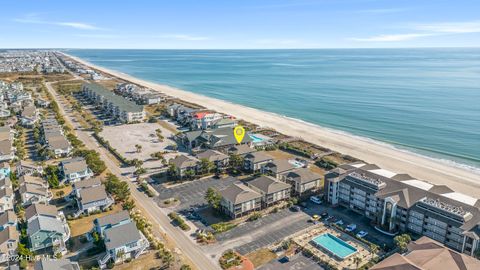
x: 245, y: 24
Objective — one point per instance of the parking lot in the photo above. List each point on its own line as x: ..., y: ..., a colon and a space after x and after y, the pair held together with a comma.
x: 297, y: 262
x: 191, y: 194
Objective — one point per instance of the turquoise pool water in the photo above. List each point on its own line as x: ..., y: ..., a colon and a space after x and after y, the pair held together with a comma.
x: 334, y: 245
x: 255, y: 138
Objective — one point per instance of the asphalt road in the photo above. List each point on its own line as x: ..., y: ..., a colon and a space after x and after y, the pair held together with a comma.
x: 154, y: 213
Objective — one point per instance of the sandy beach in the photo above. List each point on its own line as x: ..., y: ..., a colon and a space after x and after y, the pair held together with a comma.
x: 385, y: 156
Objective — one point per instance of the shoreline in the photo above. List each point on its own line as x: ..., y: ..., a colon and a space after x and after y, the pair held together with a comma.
x: 383, y: 154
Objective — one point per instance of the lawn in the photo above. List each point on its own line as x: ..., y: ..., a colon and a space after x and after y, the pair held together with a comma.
x: 66, y: 190
x: 261, y: 257
x: 144, y: 262
x: 83, y: 225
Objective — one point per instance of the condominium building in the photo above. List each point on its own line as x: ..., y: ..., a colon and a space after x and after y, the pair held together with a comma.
x: 400, y: 203
x: 120, y: 108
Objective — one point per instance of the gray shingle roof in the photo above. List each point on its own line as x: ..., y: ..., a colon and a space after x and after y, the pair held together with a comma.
x: 113, y: 218
x: 119, y: 236
x: 91, y: 182
x: 57, y: 264
x: 212, y: 155
x: 73, y: 165
x: 256, y: 157
x: 42, y: 223
x: 93, y: 194
x: 268, y: 184
x: 239, y: 193
x: 241, y: 149
x: 303, y: 175
x: 41, y: 210
x: 280, y: 165
x: 7, y: 217
x: 183, y: 161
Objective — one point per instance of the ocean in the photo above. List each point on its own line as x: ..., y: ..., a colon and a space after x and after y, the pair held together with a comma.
x: 422, y: 100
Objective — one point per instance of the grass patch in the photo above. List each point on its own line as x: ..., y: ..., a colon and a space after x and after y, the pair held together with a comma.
x: 83, y: 225
x: 223, y: 227
x: 261, y: 257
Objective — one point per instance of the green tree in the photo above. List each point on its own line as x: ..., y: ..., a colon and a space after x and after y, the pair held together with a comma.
x: 189, y: 174
x: 235, y: 161
x: 172, y: 170
x: 185, y: 267
x: 138, y: 147
x: 401, y: 241
x: 373, y: 249
x: 213, y: 198
x: 357, y: 260
x: 206, y: 166
x: 128, y: 205
x: 51, y: 174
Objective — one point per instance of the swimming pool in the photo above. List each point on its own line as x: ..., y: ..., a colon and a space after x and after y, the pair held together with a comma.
x: 334, y: 245
x: 256, y: 139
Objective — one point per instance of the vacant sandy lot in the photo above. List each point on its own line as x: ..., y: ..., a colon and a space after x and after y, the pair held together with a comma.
x: 125, y: 137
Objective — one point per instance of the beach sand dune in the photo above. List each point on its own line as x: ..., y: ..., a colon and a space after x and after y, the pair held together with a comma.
x: 385, y: 156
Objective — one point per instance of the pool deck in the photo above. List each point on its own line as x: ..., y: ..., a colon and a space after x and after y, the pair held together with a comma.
x: 348, y: 249
x: 305, y: 241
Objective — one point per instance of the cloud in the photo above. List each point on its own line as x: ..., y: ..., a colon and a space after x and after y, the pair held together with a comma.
x: 33, y: 19
x: 450, y: 27
x: 391, y: 38
x: 184, y: 37
x: 426, y: 30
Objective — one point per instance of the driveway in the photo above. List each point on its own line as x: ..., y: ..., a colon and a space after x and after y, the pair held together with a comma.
x: 298, y: 262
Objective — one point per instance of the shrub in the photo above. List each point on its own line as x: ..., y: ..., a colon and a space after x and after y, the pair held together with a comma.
x: 254, y: 216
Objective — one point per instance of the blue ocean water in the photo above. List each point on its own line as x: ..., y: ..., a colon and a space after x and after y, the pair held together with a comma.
x: 422, y: 100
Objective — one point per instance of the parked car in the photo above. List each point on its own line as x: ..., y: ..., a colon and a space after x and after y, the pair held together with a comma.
x: 284, y: 259
x: 295, y: 208
x: 315, y: 199
x: 339, y: 222
x: 324, y: 214
x: 351, y: 227
x: 362, y: 234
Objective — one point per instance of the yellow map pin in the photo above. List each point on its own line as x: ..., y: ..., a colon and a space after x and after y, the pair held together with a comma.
x: 239, y: 133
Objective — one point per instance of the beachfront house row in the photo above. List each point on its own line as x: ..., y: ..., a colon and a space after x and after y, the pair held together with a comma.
x: 254, y: 161
x: 48, y: 233
x: 272, y: 190
x: 238, y: 200
x: 6, y: 199
x: 121, y: 237
x: 9, y: 239
x: 399, y: 203
x: 74, y: 169
x: 93, y: 199
x: 183, y: 164
x: 303, y: 181
x: 218, y: 158
x: 277, y: 168
x: 8, y: 219
x: 118, y: 107
x: 28, y: 168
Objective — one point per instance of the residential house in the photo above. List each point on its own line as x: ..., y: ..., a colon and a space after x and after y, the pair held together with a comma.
x: 254, y: 161
x: 42, y: 103
x: 34, y: 193
x: 9, y: 239
x: 183, y: 164
x: 113, y: 220
x: 93, y: 199
x: 278, y: 168
x: 123, y: 242
x: 28, y: 168
x: 5, y: 182
x: 60, y: 146
x: 45, y: 210
x: 6, y: 199
x: 238, y: 200
x: 224, y: 123
x: 398, y: 203
x: 6, y: 150
x: 74, y: 169
x: 241, y: 150
x: 57, y: 264
x: 33, y: 180
x: 219, y: 159
x: 303, y: 181
x: 204, y: 119
x: 29, y: 116
x: 428, y: 254
x: 272, y: 190
x: 47, y: 233
x: 4, y: 170
x: 219, y: 139
x: 84, y: 184
x: 8, y: 219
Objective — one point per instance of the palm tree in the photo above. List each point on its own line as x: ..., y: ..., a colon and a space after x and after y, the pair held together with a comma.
x: 373, y: 249
x: 138, y: 147
x: 357, y: 260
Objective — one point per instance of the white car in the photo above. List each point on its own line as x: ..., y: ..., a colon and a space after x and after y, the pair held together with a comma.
x: 315, y: 200
x: 339, y: 222
x: 362, y: 234
x: 351, y: 227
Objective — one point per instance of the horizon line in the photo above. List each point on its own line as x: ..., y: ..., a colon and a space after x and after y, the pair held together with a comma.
x: 323, y: 48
